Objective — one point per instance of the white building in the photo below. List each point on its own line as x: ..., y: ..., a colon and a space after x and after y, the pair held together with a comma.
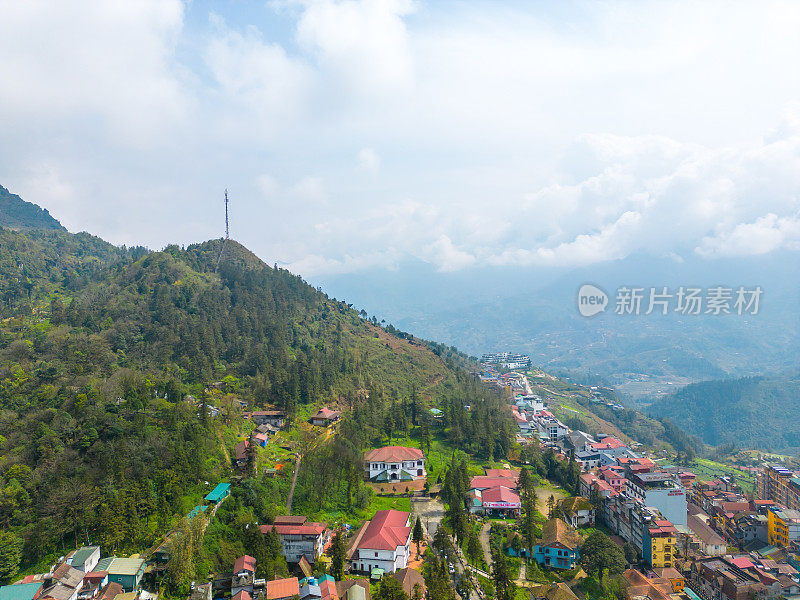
x: 395, y: 463
x: 383, y: 543
x: 659, y: 490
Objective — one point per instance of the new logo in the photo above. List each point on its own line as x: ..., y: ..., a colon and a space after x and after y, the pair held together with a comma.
x: 591, y: 300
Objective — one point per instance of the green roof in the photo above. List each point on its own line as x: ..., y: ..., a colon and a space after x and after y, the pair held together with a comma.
x: 121, y: 566
x: 82, y: 554
x: 219, y: 492
x: 376, y: 573
x: 23, y: 591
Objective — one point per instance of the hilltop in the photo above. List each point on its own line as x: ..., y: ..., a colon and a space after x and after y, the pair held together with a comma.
x: 110, y: 358
x: 16, y: 213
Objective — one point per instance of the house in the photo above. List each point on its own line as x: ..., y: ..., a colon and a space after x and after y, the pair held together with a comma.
x: 676, y: 580
x: 310, y: 590
x: 498, y: 501
x: 353, y: 589
x: 383, y: 543
x: 300, y: 537
x: 484, y: 482
x: 578, y: 511
x: 275, y: 418
x: 127, y: 572
x: 64, y: 583
x: 240, y: 453
x: 283, y: 589
x: 588, y: 459
x: 85, y: 559
x: 552, y: 591
x: 590, y: 481
x: 710, y: 542
x: 244, y: 572
x: 612, y: 446
x: 112, y: 590
x: 411, y: 580
x: 512, y: 474
x: 558, y: 547
x: 645, y: 588
x: 325, y: 416
x: 577, y: 441
x: 93, y: 582
x: 21, y: 591
x: 261, y: 439
x: 219, y: 493
x: 327, y: 588
x: 395, y: 463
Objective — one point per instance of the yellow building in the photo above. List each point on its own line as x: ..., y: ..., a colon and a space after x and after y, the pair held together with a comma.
x: 783, y: 527
x: 659, y: 544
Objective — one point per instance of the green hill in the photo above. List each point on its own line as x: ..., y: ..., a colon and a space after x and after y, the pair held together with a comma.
x: 758, y: 412
x: 109, y: 358
x: 15, y: 213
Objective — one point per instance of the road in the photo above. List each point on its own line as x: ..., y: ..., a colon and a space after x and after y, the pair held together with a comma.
x: 486, y: 544
x: 430, y: 511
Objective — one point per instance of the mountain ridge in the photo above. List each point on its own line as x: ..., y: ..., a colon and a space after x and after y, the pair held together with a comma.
x: 16, y: 213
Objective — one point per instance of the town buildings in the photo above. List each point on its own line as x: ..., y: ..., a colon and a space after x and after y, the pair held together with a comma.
x: 559, y: 546
x: 781, y: 485
x: 783, y: 526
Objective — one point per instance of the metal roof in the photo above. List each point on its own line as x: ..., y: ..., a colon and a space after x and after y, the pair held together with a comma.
x: 82, y: 554
x: 219, y: 492
x: 22, y: 591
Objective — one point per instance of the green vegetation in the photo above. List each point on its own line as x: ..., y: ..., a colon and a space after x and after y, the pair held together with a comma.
x: 110, y: 359
x: 748, y: 412
x: 15, y: 213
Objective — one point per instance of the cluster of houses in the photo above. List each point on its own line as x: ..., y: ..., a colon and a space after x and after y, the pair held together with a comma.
x: 506, y: 360
x: 245, y: 586
x: 82, y: 575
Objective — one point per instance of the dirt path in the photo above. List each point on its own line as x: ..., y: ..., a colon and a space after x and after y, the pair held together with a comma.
x: 522, y: 580
x: 294, y: 483
x: 486, y: 544
x: 543, y: 493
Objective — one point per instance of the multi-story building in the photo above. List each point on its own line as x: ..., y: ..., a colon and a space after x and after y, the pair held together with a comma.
x: 383, y: 542
x: 659, y: 490
x: 719, y: 578
x: 300, y: 537
x: 659, y: 547
x: 395, y: 463
x: 783, y: 527
x: 780, y: 485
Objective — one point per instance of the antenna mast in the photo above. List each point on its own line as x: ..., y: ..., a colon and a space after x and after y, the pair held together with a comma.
x: 227, y: 229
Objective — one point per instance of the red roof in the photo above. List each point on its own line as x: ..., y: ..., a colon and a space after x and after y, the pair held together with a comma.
x: 244, y: 563
x: 499, y: 494
x: 326, y: 413
x: 96, y: 575
x: 608, y: 443
x: 283, y: 588
x: 306, y: 529
x: 242, y: 595
x: 393, y: 454
x: 386, y: 531
x: 482, y: 482
x: 742, y: 562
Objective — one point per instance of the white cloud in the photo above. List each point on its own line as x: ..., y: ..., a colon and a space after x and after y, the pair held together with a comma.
x: 765, y: 234
x: 369, y: 161
x: 508, y: 133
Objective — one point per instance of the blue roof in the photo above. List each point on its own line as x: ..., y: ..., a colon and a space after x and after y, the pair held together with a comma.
x: 219, y: 492
x: 23, y: 591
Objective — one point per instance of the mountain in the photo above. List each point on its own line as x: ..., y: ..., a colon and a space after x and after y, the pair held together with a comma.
x: 534, y: 310
x: 16, y: 213
x: 755, y: 412
x: 111, y: 357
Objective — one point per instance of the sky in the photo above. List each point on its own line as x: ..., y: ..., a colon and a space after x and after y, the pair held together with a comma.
x: 361, y: 134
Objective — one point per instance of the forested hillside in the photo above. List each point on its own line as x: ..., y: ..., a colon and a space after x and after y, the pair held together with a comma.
x: 750, y: 412
x: 109, y: 357
x: 15, y: 213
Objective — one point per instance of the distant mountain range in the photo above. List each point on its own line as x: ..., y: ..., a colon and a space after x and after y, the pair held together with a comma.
x: 16, y: 213
x: 755, y: 411
x: 534, y: 310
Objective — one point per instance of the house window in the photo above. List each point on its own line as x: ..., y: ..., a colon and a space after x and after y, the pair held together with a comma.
x: 376, y: 555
